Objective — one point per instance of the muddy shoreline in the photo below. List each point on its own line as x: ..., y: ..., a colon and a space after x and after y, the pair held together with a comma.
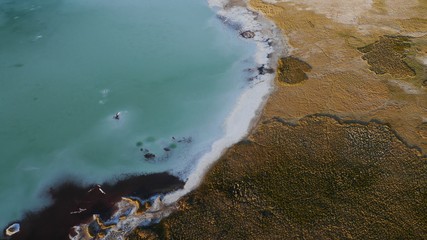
x: 73, y: 204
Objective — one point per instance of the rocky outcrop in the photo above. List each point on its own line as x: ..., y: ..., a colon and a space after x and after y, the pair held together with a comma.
x: 247, y: 34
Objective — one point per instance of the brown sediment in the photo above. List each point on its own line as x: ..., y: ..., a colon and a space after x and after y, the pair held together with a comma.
x: 387, y: 55
x: 321, y: 178
x: 292, y: 70
x: 141, y: 234
x: 341, y: 81
x: 422, y: 130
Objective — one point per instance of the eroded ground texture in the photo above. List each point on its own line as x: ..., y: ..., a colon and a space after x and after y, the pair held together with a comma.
x: 368, y: 60
x: 339, y: 149
x: 319, y: 179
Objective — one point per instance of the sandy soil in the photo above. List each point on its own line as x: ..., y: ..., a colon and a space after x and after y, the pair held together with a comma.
x: 328, y: 35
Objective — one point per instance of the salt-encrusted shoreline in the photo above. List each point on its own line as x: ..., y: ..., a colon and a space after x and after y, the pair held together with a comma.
x: 251, y: 26
x: 75, y: 204
x: 270, y: 45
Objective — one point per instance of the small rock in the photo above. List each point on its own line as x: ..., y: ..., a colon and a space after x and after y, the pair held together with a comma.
x: 149, y: 156
x: 117, y: 116
x: 263, y: 70
x: 247, y: 34
x: 12, y: 229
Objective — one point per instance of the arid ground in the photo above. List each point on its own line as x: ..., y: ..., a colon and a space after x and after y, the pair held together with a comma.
x: 339, y: 150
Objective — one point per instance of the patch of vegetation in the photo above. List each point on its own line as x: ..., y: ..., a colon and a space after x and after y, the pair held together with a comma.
x: 319, y: 179
x: 292, y: 70
x: 388, y: 55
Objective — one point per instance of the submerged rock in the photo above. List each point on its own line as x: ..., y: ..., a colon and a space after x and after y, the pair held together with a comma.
x: 12, y: 229
x: 186, y: 140
x: 247, y: 34
x: 149, y: 155
x: 263, y: 70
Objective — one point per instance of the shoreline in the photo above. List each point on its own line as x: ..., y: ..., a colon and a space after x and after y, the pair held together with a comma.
x: 142, y: 209
x: 74, y: 203
x: 239, y: 123
x: 268, y: 39
x: 265, y: 109
x: 270, y: 44
x: 318, y: 186
x: 103, y: 162
x: 329, y: 151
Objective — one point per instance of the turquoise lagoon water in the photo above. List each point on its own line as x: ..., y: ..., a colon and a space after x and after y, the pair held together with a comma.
x: 67, y: 66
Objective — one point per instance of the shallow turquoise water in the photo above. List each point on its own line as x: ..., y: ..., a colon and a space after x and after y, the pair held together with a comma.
x: 66, y: 66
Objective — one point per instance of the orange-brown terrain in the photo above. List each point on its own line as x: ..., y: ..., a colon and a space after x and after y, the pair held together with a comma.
x: 339, y: 149
x: 368, y: 62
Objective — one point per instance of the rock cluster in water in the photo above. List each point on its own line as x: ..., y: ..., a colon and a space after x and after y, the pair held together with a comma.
x: 130, y: 214
x: 76, y: 205
x: 12, y: 229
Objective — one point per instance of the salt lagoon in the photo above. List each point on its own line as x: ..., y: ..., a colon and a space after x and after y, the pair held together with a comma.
x: 176, y: 73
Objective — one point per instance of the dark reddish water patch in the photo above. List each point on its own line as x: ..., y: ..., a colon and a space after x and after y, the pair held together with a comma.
x: 74, y: 204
